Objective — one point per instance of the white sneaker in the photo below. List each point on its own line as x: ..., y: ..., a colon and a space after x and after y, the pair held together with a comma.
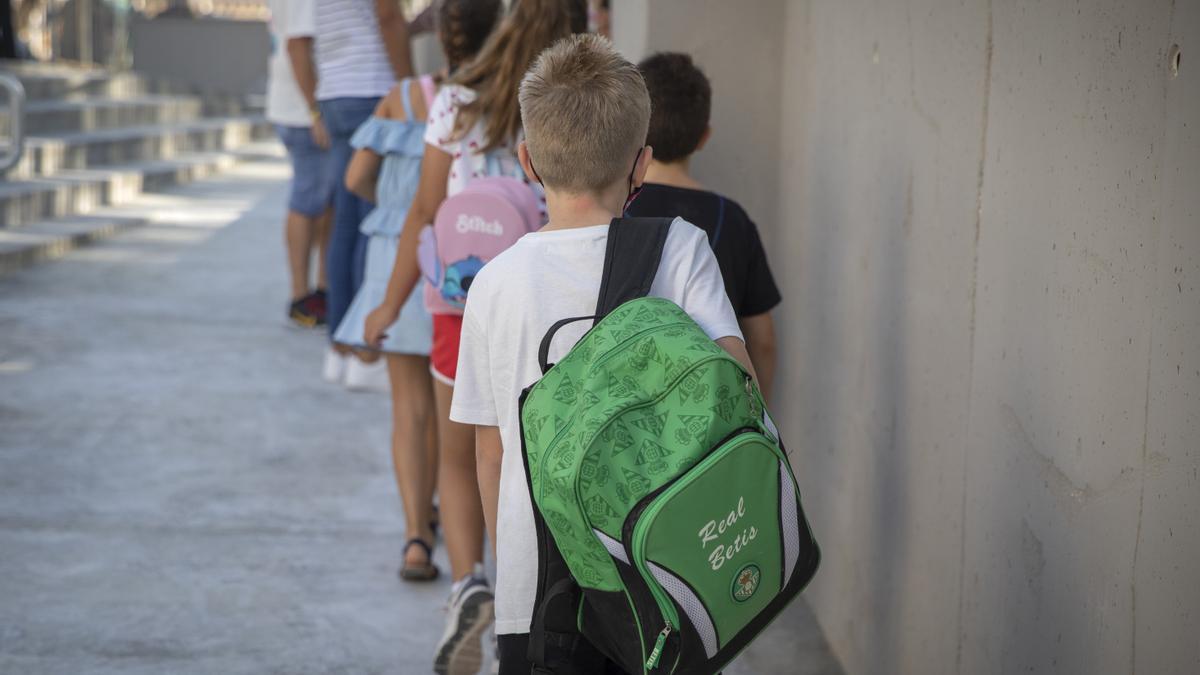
x: 470, y: 612
x: 367, y: 376
x: 334, y: 369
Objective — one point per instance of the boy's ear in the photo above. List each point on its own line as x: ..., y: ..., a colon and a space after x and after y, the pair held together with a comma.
x: 643, y: 164
x: 704, y: 139
x: 527, y: 163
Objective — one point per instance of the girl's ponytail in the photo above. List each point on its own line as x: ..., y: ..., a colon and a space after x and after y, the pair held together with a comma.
x: 496, y: 73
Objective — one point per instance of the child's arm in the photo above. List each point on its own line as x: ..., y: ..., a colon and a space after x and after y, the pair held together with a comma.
x: 759, y: 331
x: 488, y: 453
x: 363, y: 171
x: 737, y: 349
x: 393, y: 29
x: 431, y: 192
x: 704, y: 296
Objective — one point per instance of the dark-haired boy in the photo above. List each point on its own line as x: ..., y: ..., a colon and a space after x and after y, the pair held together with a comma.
x: 679, y: 127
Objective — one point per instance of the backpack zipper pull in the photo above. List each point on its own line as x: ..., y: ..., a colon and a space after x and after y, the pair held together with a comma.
x: 652, y: 662
x: 754, y: 411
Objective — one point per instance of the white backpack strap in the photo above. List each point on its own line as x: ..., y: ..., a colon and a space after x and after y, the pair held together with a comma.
x: 406, y: 98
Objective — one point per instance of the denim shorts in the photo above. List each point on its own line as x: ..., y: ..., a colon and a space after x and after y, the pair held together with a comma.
x: 312, y: 175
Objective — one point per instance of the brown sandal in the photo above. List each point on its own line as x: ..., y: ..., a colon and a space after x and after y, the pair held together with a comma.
x: 425, y: 572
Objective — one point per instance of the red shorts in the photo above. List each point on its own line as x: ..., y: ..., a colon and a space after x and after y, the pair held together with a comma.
x: 443, y: 358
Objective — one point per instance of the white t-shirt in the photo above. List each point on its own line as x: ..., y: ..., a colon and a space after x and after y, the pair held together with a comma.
x: 467, y: 163
x: 544, y: 277
x: 351, y: 61
x: 285, y: 103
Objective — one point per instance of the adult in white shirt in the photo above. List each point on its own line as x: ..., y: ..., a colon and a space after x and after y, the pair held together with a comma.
x: 291, y: 94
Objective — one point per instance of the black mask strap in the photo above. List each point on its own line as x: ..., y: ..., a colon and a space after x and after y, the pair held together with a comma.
x: 534, y: 169
x: 634, y: 191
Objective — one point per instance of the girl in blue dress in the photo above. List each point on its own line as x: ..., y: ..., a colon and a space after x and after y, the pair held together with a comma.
x: 385, y: 169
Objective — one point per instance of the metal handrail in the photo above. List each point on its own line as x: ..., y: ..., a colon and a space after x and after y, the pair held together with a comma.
x: 16, y: 100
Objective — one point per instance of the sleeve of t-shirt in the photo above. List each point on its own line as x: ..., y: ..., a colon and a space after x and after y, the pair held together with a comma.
x: 703, y: 291
x: 301, y: 18
x: 760, y: 294
x: 439, y: 124
x: 474, y: 401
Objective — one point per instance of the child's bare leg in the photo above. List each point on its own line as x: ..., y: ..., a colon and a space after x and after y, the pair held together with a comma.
x: 298, y: 236
x: 412, y: 454
x: 431, y: 442
x: 458, y: 486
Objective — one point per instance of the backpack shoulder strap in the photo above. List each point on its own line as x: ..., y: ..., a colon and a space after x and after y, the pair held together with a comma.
x: 635, y: 247
x: 406, y: 98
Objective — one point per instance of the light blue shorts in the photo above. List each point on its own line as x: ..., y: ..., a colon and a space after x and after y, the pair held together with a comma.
x: 312, y: 174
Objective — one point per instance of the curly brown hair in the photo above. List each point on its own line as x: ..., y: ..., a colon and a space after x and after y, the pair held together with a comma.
x: 682, y: 100
x: 463, y: 26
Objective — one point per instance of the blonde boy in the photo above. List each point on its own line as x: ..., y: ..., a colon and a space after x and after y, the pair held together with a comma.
x: 585, y: 111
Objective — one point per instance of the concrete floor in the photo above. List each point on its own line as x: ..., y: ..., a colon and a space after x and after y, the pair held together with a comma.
x: 180, y: 492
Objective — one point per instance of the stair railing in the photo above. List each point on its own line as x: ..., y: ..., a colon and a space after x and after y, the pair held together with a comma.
x: 16, y: 103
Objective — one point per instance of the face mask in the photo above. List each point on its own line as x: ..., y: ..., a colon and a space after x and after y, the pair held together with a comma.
x: 634, y: 191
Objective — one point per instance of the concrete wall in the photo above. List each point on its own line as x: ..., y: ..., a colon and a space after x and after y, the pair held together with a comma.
x: 225, y: 56
x: 746, y: 97
x: 207, y: 54
x: 986, y: 221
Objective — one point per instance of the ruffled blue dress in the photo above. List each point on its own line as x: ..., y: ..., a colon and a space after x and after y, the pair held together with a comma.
x: 401, y: 144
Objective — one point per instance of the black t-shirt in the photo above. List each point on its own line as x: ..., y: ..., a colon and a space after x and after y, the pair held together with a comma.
x: 732, y: 235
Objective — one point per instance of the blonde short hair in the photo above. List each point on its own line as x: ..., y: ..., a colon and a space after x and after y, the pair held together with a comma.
x: 586, y: 112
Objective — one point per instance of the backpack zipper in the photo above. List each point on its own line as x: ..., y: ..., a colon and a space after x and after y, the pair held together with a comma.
x: 612, y: 352
x: 617, y: 348
x: 652, y: 662
x: 630, y: 539
x: 722, y: 356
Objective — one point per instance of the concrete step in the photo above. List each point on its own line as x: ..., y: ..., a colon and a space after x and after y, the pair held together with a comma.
x: 46, y: 155
x: 75, y: 192
x: 51, y: 117
x: 47, y: 240
x: 46, y: 81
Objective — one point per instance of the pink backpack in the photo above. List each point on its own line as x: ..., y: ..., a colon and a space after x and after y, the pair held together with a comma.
x: 471, y: 228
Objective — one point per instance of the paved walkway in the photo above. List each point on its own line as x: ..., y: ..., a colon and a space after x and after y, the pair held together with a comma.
x: 180, y: 492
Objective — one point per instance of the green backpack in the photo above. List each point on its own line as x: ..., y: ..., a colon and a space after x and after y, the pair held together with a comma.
x: 669, y: 525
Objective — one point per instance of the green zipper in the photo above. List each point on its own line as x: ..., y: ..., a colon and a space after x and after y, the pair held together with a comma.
x: 618, y: 348
x: 608, y: 355
x: 723, y: 356
x: 656, y: 654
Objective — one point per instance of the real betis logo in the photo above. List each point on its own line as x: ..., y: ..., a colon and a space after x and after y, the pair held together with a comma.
x: 745, y: 582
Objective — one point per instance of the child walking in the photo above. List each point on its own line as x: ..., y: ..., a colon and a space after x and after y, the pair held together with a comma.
x: 681, y: 99
x: 585, y: 111
x: 474, y: 126
x: 385, y: 170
